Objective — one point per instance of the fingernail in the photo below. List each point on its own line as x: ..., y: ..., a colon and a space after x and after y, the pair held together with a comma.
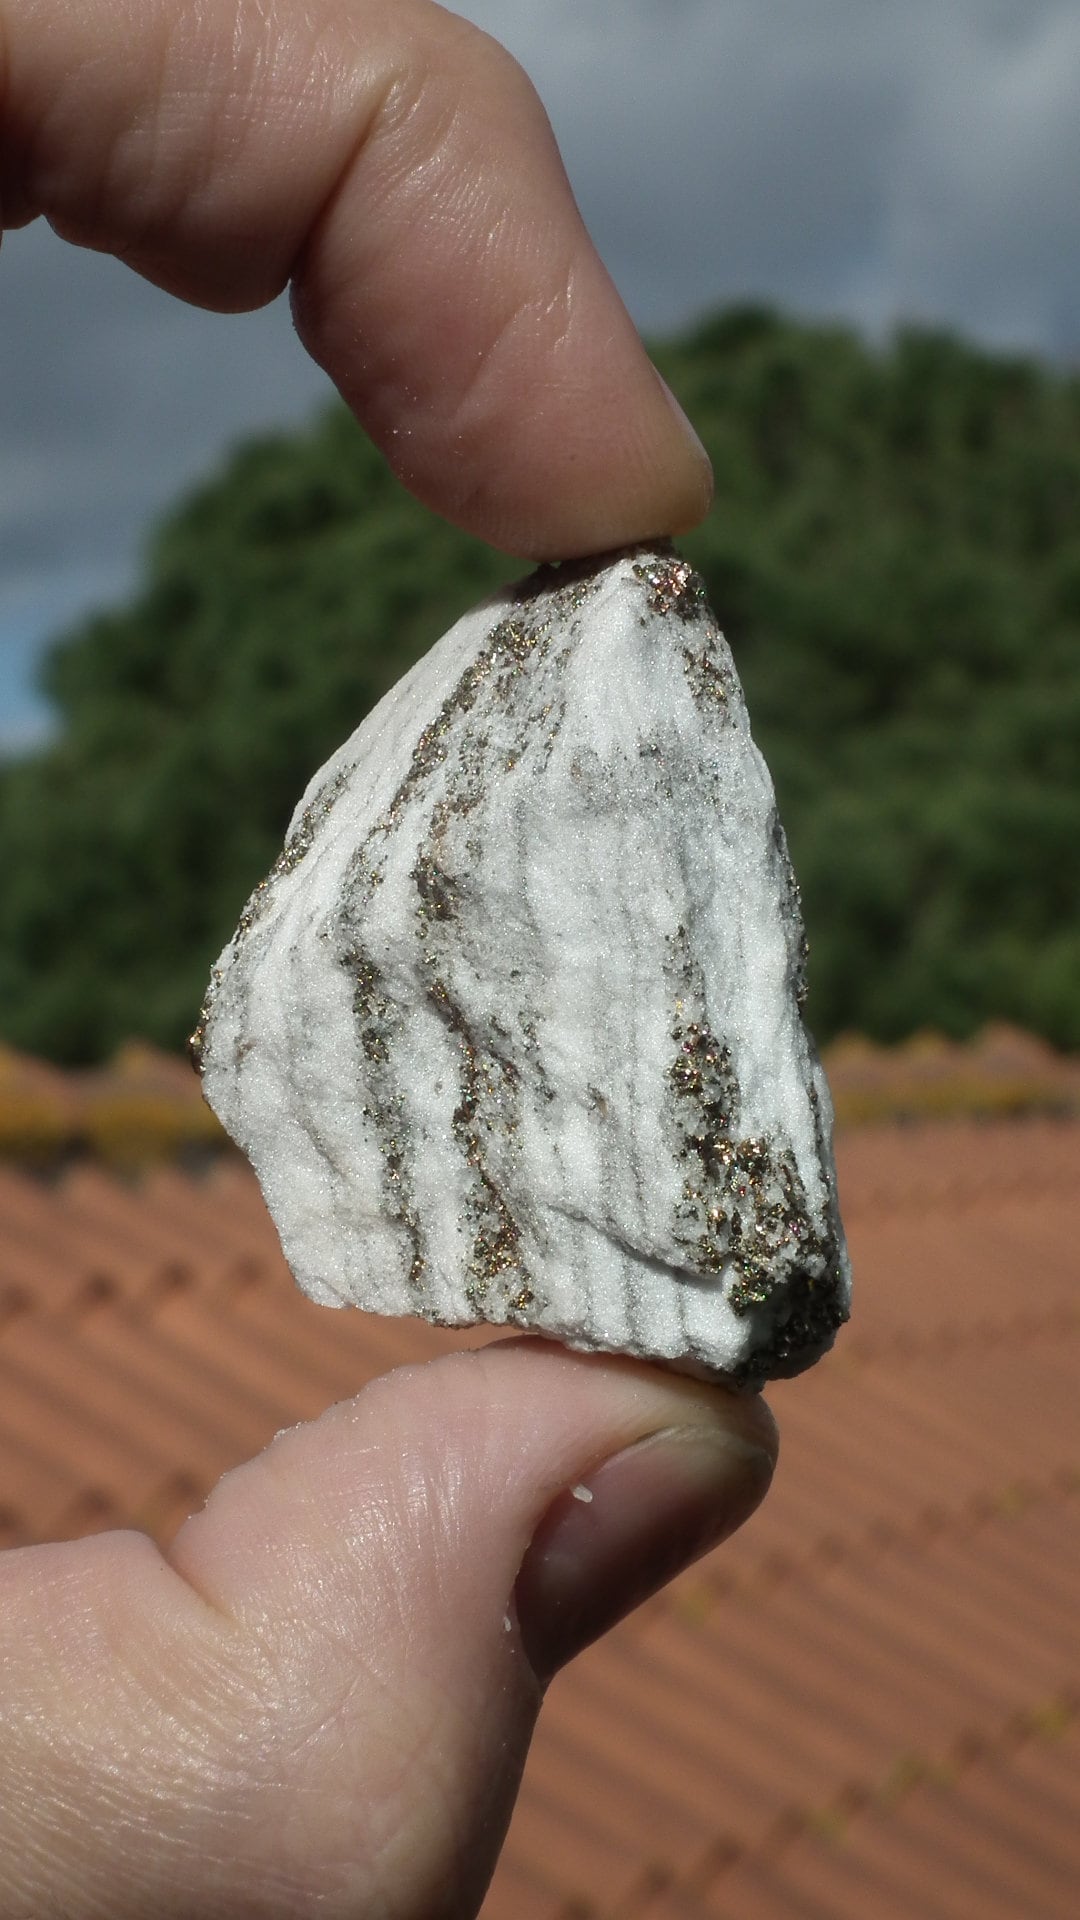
x: 693, y: 440
x: 622, y: 1533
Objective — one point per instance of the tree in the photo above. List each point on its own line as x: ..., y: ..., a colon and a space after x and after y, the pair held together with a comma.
x: 894, y: 556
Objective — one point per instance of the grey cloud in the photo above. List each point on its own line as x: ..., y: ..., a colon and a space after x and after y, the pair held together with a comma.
x: 903, y: 159
x: 114, y: 394
x: 113, y: 398
x: 985, y: 229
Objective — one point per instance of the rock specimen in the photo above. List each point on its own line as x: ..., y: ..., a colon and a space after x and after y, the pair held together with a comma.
x: 511, y: 1031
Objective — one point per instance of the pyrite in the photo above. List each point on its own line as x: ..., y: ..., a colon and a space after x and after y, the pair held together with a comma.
x: 512, y: 1032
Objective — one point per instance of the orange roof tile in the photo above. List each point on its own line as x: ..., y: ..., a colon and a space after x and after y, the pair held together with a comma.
x: 1001, y: 1071
x: 145, y: 1106
x: 867, y: 1704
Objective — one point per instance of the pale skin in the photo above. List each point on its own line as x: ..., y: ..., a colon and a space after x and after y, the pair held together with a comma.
x: 318, y: 1701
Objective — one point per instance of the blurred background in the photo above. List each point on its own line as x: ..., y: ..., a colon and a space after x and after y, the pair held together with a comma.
x: 851, y: 235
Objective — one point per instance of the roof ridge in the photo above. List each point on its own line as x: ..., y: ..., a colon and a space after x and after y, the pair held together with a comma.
x: 89, y: 1508
x: 911, y: 1771
x: 693, y: 1599
x: 102, y: 1289
x: 99, y: 1288
x: 1019, y: 1328
x: 957, y: 1194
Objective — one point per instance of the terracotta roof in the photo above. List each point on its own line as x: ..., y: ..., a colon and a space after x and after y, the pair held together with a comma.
x: 146, y: 1106
x: 866, y: 1705
x: 1001, y: 1071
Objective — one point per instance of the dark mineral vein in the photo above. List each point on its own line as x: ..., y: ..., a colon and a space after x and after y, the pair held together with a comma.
x: 378, y: 1023
x: 743, y: 1203
x: 458, y: 743
x: 490, y: 1084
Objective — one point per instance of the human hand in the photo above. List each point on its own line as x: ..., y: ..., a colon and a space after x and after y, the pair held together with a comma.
x: 394, y: 164
x: 319, y: 1700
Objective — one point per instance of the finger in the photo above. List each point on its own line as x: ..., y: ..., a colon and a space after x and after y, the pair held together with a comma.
x: 423, y: 1537
x: 404, y: 1574
x: 395, y: 163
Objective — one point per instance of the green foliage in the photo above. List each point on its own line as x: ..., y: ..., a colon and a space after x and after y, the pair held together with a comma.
x: 280, y: 601
x: 895, y: 554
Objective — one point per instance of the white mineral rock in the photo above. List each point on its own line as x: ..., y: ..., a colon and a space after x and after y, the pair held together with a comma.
x: 511, y: 1032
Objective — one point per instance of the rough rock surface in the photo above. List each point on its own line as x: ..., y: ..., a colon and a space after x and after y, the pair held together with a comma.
x: 511, y: 1032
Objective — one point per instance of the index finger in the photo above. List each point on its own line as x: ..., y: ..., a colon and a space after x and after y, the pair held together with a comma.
x: 396, y: 166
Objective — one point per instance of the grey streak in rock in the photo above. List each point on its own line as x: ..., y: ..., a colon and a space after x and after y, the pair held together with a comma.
x: 512, y: 1030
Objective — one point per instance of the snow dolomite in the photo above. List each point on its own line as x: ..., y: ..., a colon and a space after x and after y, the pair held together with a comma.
x: 511, y: 1031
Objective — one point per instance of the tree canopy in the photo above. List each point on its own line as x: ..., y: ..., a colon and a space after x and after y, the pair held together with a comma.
x: 894, y: 555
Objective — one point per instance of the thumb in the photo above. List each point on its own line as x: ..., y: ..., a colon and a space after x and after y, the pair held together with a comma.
x: 419, y: 1564
x: 381, y: 1597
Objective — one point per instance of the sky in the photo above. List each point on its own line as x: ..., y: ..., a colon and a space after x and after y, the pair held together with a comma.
x: 877, y: 161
